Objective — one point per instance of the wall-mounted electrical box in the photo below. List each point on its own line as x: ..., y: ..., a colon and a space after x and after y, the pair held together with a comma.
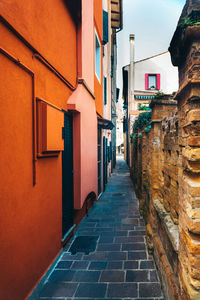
x: 50, y: 121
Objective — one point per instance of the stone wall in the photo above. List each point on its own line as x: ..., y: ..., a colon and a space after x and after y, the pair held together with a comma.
x: 166, y: 177
x: 155, y: 175
x: 166, y: 169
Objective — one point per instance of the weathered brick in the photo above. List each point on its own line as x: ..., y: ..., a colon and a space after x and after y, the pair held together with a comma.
x: 194, y: 141
x: 191, y: 154
x: 193, y: 115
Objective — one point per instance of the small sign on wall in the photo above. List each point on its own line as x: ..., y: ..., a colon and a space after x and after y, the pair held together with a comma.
x: 50, y: 121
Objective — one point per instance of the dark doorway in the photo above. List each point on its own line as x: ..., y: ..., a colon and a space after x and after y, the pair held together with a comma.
x: 67, y: 176
x: 99, y: 161
x: 105, y: 161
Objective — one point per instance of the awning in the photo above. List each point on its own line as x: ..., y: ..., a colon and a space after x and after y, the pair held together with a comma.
x: 105, y: 124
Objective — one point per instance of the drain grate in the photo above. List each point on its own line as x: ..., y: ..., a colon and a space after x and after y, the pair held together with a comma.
x: 85, y: 244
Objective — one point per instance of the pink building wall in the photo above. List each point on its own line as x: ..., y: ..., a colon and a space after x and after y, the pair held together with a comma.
x: 85, y: 144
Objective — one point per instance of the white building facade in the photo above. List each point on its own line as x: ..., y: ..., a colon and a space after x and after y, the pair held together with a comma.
x: 142, y: 80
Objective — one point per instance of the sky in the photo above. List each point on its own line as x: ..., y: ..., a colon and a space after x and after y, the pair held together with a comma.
x: 153, y: 22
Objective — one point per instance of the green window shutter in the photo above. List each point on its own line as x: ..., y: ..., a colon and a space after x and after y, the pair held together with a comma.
x: 105, y: 90
x: 105, y: 27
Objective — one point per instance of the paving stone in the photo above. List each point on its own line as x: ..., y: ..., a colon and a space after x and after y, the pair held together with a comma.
x: 129, y: 239
x: 86, y: 276
x: 114, y: 265
x: 55, y: 289
x: 137, y: 232
x: 142, y: 223
x: 150, y: 290
x: 84, y: 233
x: 137, y: 255
x: 84, y: 229
x: 97, y: 265
x: 130, y: 221
x: 91, y: 290
x: 138, y: 246
x: 122, y: 290
x: 153, y: 276
x: 96, y: 256
x: 106, y: 239
x: 80, y: 265
x: 140, y: 228
x: 109, y: 247
x: 65, y: 264
x: 117, y: 255
x: 61, y: 275
x: 89, y: 219
x: 137, y: 276
x: 121, y: 233
x: 112, y: 233
x: 88, y: 224
x: 68, y: 256
x: 104, y: 229
x: 131, y: 264
x: 112, y: 276
x: 125, y: 227
x: 147, y: 264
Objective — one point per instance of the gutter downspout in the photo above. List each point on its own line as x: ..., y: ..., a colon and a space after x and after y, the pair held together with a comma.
x: 132, y: 55
x: 27, y: 70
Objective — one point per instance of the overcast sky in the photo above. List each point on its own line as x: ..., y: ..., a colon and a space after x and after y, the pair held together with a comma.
x: 153, y: 22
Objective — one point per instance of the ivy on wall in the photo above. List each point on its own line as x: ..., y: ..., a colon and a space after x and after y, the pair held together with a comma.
x: 142, y: 121
x: 143, y: 107
x: 192, y: 20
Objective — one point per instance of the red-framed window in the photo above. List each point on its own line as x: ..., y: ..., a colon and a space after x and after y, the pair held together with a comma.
x: 152, y: 81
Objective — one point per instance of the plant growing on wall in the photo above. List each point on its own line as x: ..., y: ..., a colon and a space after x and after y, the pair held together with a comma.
x: 143, y: 107
x: 142, y: 120
x: 192, y: 20
x: 158, y: 95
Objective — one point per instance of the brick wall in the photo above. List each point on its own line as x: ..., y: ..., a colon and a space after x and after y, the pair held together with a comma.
x: 155, y: 175
x: 166, y: 169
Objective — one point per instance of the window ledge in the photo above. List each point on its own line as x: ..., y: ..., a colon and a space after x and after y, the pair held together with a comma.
x: 171, y: 228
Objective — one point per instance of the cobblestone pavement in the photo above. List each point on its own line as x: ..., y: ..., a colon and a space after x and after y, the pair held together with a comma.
x: 120, y: 267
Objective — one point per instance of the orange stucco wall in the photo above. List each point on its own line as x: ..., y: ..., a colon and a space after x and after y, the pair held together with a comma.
x: 87, y: 43
x: 48, y: 28
x: 31, y: 216
x: 98, y: 86
x: 98, y: 16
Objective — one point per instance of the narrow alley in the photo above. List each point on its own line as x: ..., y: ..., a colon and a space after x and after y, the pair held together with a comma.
x: 100, y: 150
x: 110, y: 259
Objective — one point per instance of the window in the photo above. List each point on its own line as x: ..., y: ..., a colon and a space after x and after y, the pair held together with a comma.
x: 97, y: 57
x: 152, y: 81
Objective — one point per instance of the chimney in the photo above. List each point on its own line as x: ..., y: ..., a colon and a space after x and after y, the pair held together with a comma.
x: 132, y: 54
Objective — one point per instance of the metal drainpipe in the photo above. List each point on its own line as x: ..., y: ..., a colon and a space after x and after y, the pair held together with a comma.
x: 26, y: 69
